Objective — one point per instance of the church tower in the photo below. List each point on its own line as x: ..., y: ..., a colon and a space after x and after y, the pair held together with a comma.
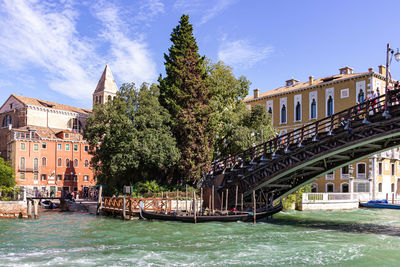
x: 106, y: 88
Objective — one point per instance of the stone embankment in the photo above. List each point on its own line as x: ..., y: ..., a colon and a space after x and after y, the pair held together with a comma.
x: 13, y: 209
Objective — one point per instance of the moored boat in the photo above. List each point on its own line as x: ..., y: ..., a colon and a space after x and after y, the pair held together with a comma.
x: 379, y: 204
x: 230, y: 217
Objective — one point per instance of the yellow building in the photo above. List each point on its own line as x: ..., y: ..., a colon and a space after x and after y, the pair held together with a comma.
x: 298, y: 103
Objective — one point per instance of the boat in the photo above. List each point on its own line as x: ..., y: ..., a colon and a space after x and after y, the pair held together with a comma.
x: 229, y: 217
x: 47, y: 204
x: 379, y: 204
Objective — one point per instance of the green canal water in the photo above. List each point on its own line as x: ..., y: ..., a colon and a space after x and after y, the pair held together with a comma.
x: 334, y: 238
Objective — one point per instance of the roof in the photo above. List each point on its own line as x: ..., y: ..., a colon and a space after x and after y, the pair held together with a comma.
x: 50, y: 133
x: 303, y: 85
x: 107, y: 82
x: 47, y: 104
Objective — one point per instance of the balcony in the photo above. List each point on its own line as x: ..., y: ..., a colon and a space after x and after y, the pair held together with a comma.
x: 330, y: 176
x: 361, y: 176
x: 28, y: 170
x: 344, y: 176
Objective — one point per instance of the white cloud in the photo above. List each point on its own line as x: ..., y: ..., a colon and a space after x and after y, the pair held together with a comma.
x: 34, y: 33
x: 130, y: 59
x: 215, y: 10
x: 241, y: 53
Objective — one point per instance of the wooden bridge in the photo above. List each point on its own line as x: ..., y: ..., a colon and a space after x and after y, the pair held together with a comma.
x: 283, y: 164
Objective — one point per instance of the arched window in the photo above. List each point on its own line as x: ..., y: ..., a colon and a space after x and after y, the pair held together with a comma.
x: 330, y: 188
x: 380, y: 187
x: 59, y: 162
x: 329, y: 106
x: 86, y: 163
x: 361, y: 171
x: 392, y: 187
x: 283, y: 114
x: 313, y: 109
x: 345, y: 187
x: 44, y: 161
x: 109, y: 98
x: 35, y: 164
x: 22, y: 163
x: 270, y: 110
x: 314, y: 188
x: 67, y: 163
x: 7, y: 120
x: 75, y: 163
x: 298, y: 111
x: 361, y: 96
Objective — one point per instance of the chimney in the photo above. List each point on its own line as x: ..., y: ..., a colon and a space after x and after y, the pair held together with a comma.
x: 370, y: 70
x: 346, y: 70
x: 291, y: 82
x: 311, y: 80
x: 382, y: 70
x: 256, y: 93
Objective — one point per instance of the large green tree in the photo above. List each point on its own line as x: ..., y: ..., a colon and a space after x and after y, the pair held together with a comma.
x: 185, y: 93
x: 6, y: 174
x: 237, y: 128
x: 130, y: 138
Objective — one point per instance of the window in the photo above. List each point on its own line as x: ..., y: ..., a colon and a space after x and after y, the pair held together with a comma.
x: 35, y: 147
x: 75, y: 178
x: 392, y: 188
x: 109, y: 98
x: 75, y: 163
x: 75, y: 189
x: 66, y: 147
x: 59, y: 162
x: 66, y: 177
x: 314, y: 188
x: 44, y: 161
x: 59, y: 178
x: 361, y: 169
x: 86, y: 148
x: 86, y: 163
x: 298, y: 112
x: 283, y: 114
x: 59, y: 146
x: 7, y: 120
x: 86, y: 178
x: 66, y: 135
x: 270, y: 110
x: 393, y: 169
x: 345, y: 188
x: 313, y: 109
x: 44, y: 177
x: 329, y: 106
x: 329, y: 188
x: 22, y: 163
x: 361, y: 96
x: 75, y: 147
x: 380, y: 187
x: 330, y: 176
x: 35, y: 178
x: 380, y: 168
x: 44, y: 145
x: 22, y: 147
x: 22, y: 176
x: 67, y: 163
x: 362, y: 187
x: 35, y: 164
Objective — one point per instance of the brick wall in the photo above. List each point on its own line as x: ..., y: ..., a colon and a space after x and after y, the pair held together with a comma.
x: 13, y: 209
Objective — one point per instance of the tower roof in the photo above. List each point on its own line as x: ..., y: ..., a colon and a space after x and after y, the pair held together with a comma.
x: 107, y: 82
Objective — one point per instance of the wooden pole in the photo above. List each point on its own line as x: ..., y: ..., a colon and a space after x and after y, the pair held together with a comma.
x: 99, y: 200
x: 254, y: 206
x: 186, y: 204
x: 29, y: 208
x: 201, y: 200
x: 212, y: 200
x: 166, y: 201
x: 123, y: 208
x: 226, y: 200
x: 236, y: 198
x: 194, y: 204
x: 242, y: 201
x: 222, y: 201
x: 35, y: 209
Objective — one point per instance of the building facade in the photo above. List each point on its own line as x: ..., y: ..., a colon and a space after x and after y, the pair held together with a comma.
x: 298, y: 103
x: 43, y: 141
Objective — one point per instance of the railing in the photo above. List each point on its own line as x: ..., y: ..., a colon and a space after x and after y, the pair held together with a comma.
x: 325, y: 197
x: 343, y: 119
x: 11, y: 194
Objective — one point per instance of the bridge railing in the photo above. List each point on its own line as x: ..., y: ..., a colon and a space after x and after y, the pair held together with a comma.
x: 344, y: 118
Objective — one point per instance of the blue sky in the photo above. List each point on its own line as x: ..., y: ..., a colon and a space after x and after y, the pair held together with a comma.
x: 57, y: 50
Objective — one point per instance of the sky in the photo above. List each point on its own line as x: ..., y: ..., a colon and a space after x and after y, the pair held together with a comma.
x: 57, y: 50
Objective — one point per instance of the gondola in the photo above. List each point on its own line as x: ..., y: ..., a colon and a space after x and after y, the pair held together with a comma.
x: 230, y: 217
x: 379, y: 204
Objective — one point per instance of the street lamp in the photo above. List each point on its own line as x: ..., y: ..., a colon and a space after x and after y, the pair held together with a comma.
x: 388, y: 60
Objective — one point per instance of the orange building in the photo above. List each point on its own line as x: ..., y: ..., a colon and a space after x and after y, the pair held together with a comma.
x: 43, y: 141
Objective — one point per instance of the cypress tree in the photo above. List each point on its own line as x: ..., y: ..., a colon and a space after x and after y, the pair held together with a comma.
x: 185, y: 93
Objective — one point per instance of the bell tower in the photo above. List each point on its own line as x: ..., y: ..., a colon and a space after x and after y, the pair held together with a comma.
x: 106, y: 88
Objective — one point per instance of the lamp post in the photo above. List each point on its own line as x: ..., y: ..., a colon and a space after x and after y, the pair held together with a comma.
x: 388, y: 60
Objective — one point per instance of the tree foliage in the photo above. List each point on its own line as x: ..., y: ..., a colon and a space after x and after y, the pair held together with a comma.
x: 130, y: 138
x: 185, y: 93
x: 237, y: 128
x: 6, y: 174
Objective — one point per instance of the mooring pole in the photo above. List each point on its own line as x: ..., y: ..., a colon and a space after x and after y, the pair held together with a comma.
x: 194, y: 204
x: 29, y: 208
x: 242, y: 201
x: 99, y: 200
x: 236, y: 198
x: 254, y: 206
x: 201, y: 200
x: 35, y: 209
x: 226, y: 200
x: 222, y: 201
x: 212, y: 200
x: 123, y: 208
x: 186, y: 204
